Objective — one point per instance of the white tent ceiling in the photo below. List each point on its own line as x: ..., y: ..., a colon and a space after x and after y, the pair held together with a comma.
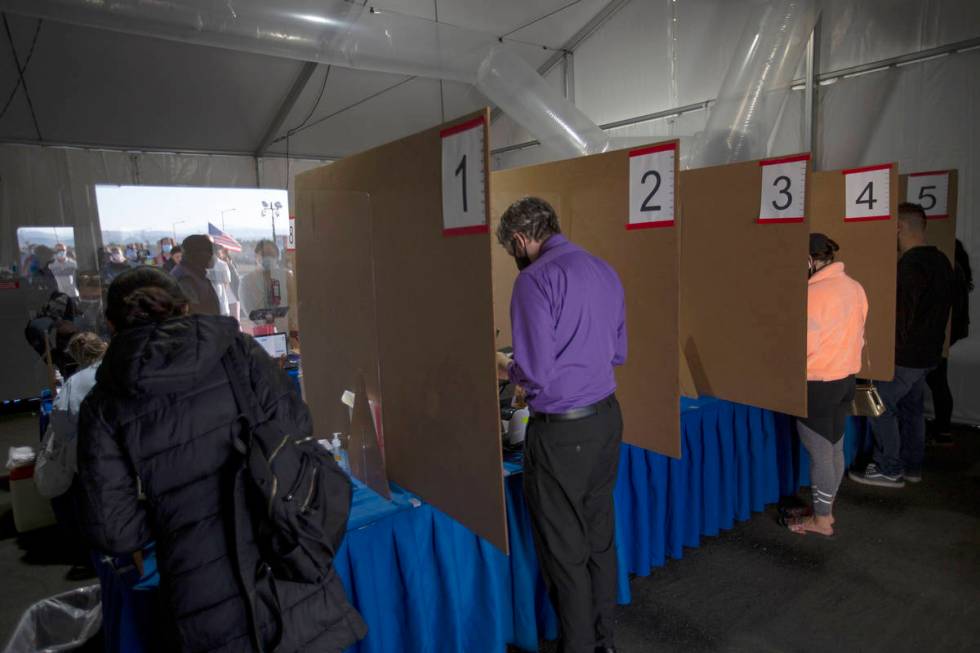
x: 108, y: 89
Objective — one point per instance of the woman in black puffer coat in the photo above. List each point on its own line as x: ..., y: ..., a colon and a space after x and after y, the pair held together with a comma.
x: 162, y: 419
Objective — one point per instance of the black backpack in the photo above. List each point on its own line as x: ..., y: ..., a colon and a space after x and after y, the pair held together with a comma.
x: 294, y: 489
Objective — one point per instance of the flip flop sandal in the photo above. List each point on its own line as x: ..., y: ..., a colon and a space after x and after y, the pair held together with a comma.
x: 795, y: 511
x: 795, y: 525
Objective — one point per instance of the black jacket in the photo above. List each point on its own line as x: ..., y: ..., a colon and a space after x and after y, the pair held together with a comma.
x: 163, y: 412
x: 962, y: 288
x: 925, y: 294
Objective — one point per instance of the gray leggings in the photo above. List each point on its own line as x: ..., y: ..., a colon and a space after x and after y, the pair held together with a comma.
x: 826, y: 467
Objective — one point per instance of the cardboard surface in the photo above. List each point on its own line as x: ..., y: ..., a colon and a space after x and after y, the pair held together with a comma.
x: 590, y: 195
x: 869, y: 252
x: 940, y: 232
x: 743, y: 293
x: 434, y: 317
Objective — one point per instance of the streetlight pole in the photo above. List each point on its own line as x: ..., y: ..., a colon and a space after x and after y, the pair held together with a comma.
x: 223, y: 217
x: 174, y: 228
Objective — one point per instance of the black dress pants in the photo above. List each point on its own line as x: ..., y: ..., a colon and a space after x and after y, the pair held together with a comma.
x: 569, y: 476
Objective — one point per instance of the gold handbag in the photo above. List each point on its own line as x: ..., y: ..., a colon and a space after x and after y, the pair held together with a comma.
x: 867, y: 402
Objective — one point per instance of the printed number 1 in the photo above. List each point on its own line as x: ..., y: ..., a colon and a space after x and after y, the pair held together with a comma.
x: 867, y: 196
x: 461, y: 171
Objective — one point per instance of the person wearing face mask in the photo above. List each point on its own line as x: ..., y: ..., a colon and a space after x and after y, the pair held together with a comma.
x: 64, y: 268
x: 164, y: 259
x: 269, y: 286
x: 192, y: 275
x: 132, y: 254
x: 837, y: 308
x: 116, y: 265
x: 568, y: 317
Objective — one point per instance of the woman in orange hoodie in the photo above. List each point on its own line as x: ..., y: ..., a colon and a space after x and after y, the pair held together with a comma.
x: 837, y: 308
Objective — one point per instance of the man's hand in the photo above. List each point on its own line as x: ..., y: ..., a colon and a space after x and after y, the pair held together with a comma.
x: 520, y: 397
x: 503, y: 366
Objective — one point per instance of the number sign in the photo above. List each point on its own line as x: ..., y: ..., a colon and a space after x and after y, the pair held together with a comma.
x: 651, y: 191
x: 867, y: 193
x: 783, y: 190
x: 464, y: 177
x: 931, y: 190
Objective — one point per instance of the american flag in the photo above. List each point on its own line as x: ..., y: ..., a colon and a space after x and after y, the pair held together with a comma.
x: 221, y: 238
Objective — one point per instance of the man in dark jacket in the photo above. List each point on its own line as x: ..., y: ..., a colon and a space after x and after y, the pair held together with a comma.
x: 925, y: 288
x: 162, y: 423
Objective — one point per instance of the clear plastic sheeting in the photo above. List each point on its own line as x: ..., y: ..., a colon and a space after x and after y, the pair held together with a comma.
x: 757, y: 84
x: 923, y: 117
x: 350, y: 35
x: 59, y: 623
x: 537, y: 106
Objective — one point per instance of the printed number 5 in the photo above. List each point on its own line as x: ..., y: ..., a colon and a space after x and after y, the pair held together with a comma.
x: 923, y: 194
x: 646, y: 206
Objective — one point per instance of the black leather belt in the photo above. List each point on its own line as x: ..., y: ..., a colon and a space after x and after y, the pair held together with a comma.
x: 573, y: 414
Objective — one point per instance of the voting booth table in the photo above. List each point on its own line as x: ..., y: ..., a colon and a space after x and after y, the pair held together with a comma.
x: 424, y: 582
x: 402, y: 280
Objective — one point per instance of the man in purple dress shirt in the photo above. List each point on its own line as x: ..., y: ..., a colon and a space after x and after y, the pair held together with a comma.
x: 568, y: 316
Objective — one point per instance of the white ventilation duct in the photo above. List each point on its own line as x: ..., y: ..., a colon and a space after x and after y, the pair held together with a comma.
x: 757, y: 84
x: 351, y: 35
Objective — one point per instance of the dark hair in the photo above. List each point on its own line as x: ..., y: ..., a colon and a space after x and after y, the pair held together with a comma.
x: 197, y: 242
x: 823, y: 248
x: 531, y: 216
x: 143, y: 295
x: 913, y: 215
x: 259, y: 246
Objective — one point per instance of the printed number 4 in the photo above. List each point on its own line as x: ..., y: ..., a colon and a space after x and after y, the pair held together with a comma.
x: 461, y: 172
x: 646, y: 206
x: 867, y: 196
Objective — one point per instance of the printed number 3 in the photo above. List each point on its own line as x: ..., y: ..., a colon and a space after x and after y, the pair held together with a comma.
x: 461, y: 171
x: 783, y: 191
x: 656, y: 186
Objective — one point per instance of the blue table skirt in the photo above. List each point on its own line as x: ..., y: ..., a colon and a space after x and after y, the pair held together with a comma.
x: 425, y: 583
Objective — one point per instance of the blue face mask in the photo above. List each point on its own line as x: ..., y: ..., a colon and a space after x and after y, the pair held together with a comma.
x: 167, y: 249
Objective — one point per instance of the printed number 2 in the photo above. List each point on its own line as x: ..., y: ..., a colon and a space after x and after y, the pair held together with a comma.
x: 783, y: 191
x: 923, y: 194
x: 461, y: 171
x: 867, y: 196
x: 656, y: 186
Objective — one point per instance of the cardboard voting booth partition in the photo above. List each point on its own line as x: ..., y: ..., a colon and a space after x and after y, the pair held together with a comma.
x: 621, y: 207
x: 868, y: 248
x: 393, y: 258
x: 744, y: 248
